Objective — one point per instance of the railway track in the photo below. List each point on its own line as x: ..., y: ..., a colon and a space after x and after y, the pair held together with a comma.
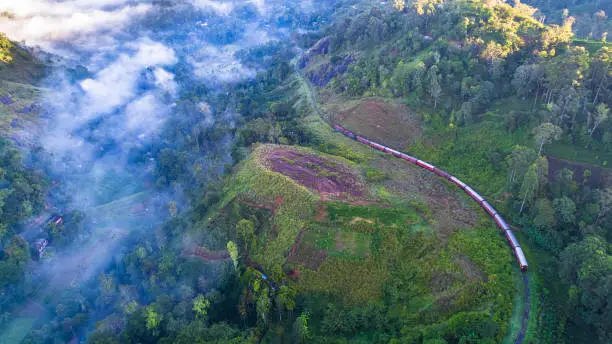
x: 498, y: 219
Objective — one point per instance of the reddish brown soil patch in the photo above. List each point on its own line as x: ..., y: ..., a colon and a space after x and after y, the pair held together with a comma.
x: 294, y: 274
x: 270, y: 205
x: 331, y: 179
x: 383, y: 121
x: 598, y: 176
x: 303, y: 253
x: 449, y: 210
x: 206, y: 254
x: 321, y: 212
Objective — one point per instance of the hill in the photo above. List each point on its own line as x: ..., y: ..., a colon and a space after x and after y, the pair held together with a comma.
x: 20, y: 97
x: 492, y: 95
x: 374, y: 247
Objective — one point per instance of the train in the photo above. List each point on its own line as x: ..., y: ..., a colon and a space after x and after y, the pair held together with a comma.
x: 501, y: 223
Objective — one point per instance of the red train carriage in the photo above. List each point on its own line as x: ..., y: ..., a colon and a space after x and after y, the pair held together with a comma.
x: 442, y: 173
x: 409, y: 158
x: 363, y: 140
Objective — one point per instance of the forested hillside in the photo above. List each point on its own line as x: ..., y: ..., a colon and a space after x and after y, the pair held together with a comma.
x: 592, y: 16
x: 302, y: 235
x: 517, y: 108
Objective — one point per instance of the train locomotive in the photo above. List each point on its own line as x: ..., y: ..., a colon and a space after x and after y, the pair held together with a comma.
x: 501, y: 223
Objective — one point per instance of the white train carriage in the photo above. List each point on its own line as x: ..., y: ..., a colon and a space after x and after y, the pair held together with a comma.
x: 457, y: 182
x: 520, y: 256
x: 512, y: 239
x: 425, y: 165
x: 474, y: 194
x: 489, y: 208
x: 500, y: 222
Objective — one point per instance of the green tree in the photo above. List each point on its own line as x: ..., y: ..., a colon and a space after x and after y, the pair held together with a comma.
x: 200, y: 306
x: 545, y: 215
x: 245, y: 229
x: 301, y: 327
x: 153, y: 318
x: 519, y: 161
x: 565, y: 209
x: 530, y: 185
x: 263, y: 305
x: 233, y: 252
x: 435, y: 91
x: 5, y: 49
x: 285, y: 299
x: 600, y: 116
x: 399, y: 5
x: 545, y: 134
x: 604, y: 198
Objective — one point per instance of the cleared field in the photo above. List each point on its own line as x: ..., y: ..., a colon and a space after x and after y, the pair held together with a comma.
x: 383, y: 121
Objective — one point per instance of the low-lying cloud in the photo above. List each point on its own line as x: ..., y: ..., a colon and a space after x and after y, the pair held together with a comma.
x: 44, y: 22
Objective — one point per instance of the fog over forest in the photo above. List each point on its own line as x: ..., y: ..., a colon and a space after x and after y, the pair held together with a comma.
x: 120, y: 72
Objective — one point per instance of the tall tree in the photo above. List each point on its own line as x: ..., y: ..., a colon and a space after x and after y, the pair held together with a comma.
x: 530, y: 185
x: 518, y: 161
x: 434, y: 84
x: 565, y: 209
x: 545, y: 134
x: 600, y: 116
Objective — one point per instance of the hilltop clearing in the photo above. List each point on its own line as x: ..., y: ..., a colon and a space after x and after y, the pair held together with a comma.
x: 355, y: 234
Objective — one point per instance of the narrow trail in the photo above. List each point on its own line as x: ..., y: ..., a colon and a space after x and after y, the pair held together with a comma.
x: 527, y: 292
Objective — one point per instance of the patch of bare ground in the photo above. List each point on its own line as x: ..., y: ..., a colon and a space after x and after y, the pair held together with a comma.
x: 269, y: 204
x: 383, y: 121
x: 321, y: 212
x: 598, y: 176
x: 331, y: 179
x: 441, y: 281
x: 449, y: 210
x: 303, y: 253
x: 469, y: 268
x: 206, y: 254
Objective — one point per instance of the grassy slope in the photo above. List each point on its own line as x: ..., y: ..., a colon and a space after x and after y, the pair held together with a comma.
x: 19, y: 113
x: 401, y: 243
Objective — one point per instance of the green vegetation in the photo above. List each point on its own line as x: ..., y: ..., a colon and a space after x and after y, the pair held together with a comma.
x: 5, y: 49
x: 312, y: 237
x: 498, y: 92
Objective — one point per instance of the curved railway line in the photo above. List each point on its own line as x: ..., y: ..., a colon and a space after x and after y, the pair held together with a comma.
x: 501, y: 223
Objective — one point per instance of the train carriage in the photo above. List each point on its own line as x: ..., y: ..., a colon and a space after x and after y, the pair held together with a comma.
x: 441, y: 173
x: 457, y: 182
x: 488, y: 208
x: 500, y: 222
x: 511, y: 238
x: 520, y: 256
x: 425, y: 165
x: 474, y: 194
x: 363, y: 140
x: 395, y: 153
x: 409, y: 158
